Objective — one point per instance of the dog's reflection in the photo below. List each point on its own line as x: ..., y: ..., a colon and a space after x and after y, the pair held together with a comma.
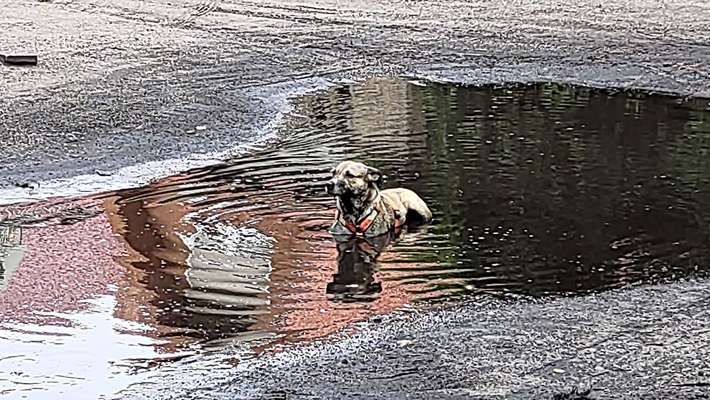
x: 355, y: 279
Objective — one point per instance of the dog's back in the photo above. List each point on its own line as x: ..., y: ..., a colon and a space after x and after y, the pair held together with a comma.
x: 407, y: 201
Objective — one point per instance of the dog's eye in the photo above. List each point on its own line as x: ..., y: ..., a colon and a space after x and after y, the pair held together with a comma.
x: 349, y: 174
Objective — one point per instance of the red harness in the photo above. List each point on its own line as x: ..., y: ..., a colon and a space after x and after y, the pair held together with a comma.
x: 362, y: 226
x: 365, y: 223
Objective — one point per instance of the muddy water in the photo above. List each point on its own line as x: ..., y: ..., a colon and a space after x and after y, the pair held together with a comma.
x: 536, y: 190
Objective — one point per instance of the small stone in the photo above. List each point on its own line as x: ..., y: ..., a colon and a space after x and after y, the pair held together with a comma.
x: 28, y: 185
x: 404, y: 343
x: 101, y: 172
x: 558, y: 371
x: 201, y: 128
x: 407, y: 308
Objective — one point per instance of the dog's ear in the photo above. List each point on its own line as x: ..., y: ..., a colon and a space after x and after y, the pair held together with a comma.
x: 374, y: 175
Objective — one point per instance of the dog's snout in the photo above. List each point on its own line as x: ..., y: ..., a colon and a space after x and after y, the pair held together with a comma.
x: 334, y: 186
x: 330, y: 186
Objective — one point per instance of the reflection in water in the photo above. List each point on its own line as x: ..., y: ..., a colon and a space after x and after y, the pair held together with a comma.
x: 78, y: 361
x: 536, y: 190
x: 355, y: 279
x: 10, y: 252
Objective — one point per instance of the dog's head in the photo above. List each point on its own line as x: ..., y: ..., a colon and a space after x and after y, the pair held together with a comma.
x: 353, y: 179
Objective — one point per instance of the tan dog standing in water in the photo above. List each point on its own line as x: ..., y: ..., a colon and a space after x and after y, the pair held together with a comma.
x: 365, y: 210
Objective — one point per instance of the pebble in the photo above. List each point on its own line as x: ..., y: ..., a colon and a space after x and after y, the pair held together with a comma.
x: 32, y: 185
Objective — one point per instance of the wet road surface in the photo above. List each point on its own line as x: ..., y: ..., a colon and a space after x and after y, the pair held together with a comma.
x: 126, y: 82
x: 533, y: 194
x: 629, y: 344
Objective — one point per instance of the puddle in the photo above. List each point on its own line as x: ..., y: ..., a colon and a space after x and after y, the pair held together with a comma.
x: 536, y: 190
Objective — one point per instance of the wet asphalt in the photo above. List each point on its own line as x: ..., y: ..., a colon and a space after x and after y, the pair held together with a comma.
x: 125, y: 82
x: 636, y: 343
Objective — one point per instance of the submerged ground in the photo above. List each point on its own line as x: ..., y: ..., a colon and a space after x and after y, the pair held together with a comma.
x: 124, y: 293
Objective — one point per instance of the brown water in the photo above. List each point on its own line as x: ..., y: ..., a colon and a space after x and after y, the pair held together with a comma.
x: 536, y: 190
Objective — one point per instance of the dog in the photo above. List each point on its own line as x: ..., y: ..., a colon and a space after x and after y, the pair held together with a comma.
x: 362, y: 209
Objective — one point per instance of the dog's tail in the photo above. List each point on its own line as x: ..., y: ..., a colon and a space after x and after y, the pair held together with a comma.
x: 414, y: 203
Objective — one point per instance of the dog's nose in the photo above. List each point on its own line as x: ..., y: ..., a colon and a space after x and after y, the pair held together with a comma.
x: 334, y: 187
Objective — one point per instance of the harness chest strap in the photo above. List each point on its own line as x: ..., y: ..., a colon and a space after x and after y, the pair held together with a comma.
x: 364, y: 224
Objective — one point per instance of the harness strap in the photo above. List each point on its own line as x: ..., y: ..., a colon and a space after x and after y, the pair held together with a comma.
x: 363, y: 225
x: 370, y: 215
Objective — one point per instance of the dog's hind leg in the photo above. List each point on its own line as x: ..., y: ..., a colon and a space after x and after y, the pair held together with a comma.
x: 413, y: 203
x: 417, y: 205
